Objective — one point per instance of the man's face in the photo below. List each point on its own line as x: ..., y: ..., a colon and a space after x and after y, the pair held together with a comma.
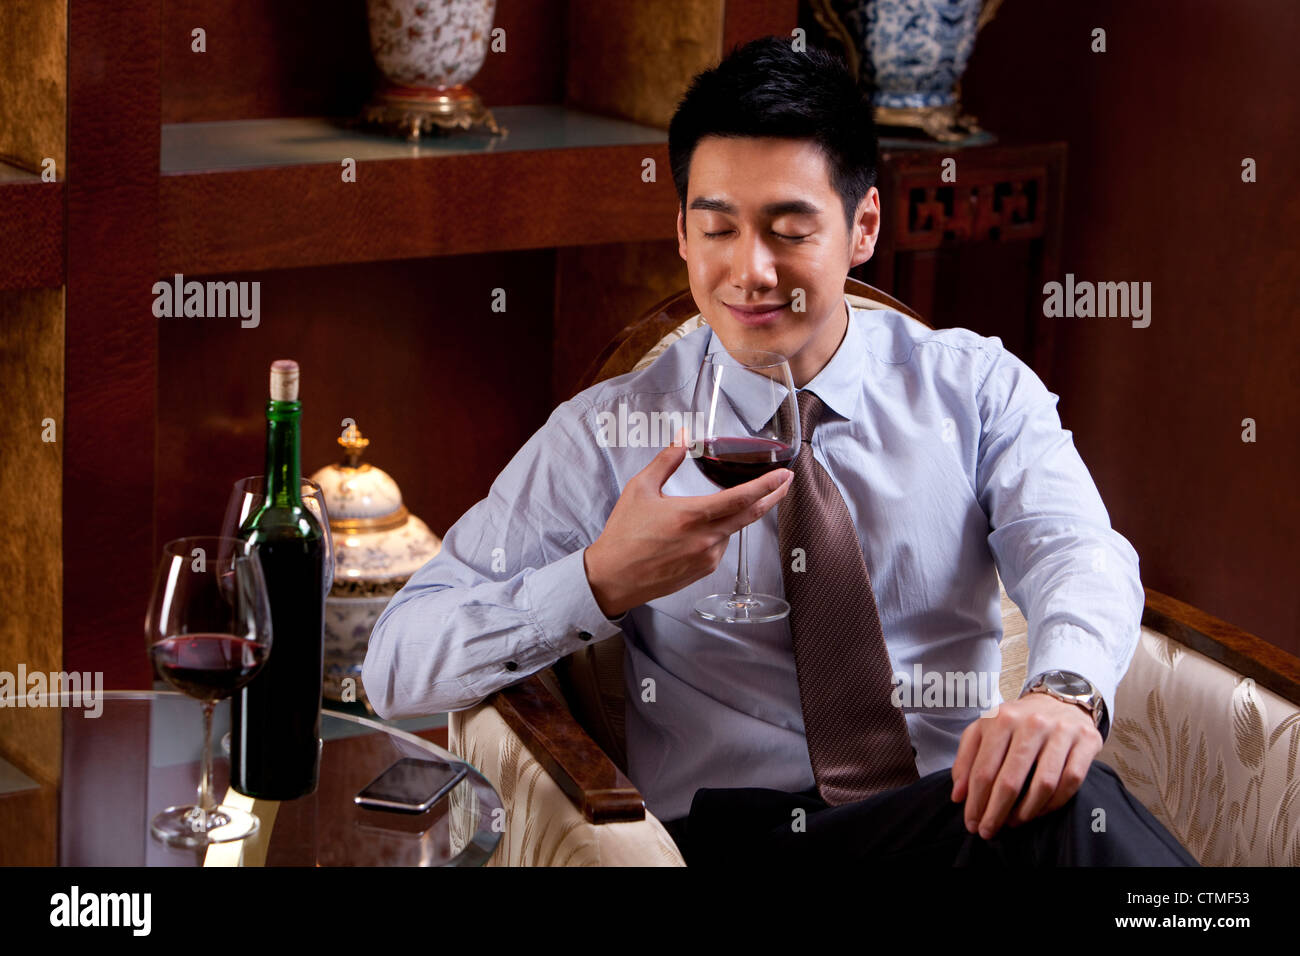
x: 764, y: 227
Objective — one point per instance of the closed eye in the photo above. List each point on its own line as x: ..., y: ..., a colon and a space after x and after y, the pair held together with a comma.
x: 715, y: 235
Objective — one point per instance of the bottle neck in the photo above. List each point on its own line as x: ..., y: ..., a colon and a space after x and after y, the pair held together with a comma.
x: 283, y: 466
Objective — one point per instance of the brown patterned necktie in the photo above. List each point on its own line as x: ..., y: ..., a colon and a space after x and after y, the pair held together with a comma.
x: 857, y: 739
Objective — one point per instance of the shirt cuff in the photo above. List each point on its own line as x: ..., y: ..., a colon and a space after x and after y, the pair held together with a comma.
x: 563, y: 608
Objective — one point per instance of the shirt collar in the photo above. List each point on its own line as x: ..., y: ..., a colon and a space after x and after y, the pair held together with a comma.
x: 838, y: 384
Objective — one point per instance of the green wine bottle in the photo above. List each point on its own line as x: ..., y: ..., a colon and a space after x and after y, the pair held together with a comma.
x: 275, y: 718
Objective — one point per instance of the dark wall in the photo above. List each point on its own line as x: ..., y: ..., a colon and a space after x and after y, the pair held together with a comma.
x: 1158, y: 126
x: 418, y: 364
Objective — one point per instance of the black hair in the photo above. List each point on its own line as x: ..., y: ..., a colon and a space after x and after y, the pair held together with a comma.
x: 766, y: 88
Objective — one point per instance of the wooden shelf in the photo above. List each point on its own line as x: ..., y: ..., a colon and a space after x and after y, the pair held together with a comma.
x: 270, y: 193
x: 31, y: 230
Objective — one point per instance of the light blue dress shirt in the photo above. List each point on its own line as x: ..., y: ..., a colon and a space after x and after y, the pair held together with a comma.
x: 950, y: 456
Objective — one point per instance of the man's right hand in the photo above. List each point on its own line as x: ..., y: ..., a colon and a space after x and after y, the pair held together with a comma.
x: 654, y: 544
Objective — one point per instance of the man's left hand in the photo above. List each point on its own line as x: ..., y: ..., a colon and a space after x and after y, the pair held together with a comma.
x: 998, y: 750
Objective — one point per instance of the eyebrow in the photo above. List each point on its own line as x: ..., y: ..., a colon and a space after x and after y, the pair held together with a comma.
x: 796, y: 207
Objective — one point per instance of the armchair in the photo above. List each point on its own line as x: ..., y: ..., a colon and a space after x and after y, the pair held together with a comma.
x: 1206, y: 735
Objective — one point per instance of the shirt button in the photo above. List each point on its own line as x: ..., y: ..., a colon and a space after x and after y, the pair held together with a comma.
x: 584, y: 636
x: 511, y: 666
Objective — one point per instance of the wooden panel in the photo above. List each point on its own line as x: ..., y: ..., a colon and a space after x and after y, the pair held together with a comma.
x: 1157, y: 412
x: 636, y: 59
x: 31, y: 627
x: 598, y: 291
x: 749, y: 19
x: 446, y: 390
x: 33, y: 83
x: 111, y: 366
x: 304, y: 58
x: 304, y: 215
x: 29, y: 827
x: 31, y: 235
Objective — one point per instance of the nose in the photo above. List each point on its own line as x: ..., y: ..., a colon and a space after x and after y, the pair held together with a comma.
x: 753, y: 266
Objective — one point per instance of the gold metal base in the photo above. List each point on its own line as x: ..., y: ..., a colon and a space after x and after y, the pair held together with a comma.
x: 946, y: 124
x: 412, y: 112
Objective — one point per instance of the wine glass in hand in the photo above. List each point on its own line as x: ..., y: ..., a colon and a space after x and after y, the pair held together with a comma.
x: 209, y: 632
x: 745, y: 404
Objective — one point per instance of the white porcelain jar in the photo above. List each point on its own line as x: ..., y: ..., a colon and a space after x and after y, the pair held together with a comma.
x: 378, y: 545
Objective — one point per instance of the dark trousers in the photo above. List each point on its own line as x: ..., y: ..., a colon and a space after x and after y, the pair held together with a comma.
x: 1101, y: 825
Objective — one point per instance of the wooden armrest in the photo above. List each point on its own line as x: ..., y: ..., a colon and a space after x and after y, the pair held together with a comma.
x: 1264, y: 663
x: 555, y: 738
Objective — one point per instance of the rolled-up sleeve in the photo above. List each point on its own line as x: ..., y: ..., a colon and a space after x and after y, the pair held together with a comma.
x: 1073, y: 576
x: 508, y: 593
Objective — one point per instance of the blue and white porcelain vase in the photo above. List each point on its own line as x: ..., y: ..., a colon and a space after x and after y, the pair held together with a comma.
x: 911, y: 54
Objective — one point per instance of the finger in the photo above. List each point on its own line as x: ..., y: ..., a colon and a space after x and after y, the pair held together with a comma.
x: 662, y: 465
x: 967, y: 748
x: 727, y: 504
x: 1047, y: 777
x: 1010, y: 781
x: 984, y: 771
x: 1076, y: 769
x: 755, y: 511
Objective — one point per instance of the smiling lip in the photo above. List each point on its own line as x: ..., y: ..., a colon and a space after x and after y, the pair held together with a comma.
x: 756, y: 315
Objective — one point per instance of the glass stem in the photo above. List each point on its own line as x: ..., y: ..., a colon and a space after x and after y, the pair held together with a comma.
x: 741, y: 594
x: 206, y: 804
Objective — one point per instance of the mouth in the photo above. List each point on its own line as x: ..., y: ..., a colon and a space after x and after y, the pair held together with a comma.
x: 761, y: 314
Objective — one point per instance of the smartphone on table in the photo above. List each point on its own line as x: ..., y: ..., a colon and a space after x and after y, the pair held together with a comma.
x: 411, y: 785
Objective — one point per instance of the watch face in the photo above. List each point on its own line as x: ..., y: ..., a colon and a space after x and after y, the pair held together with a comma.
x: 1064, y: 682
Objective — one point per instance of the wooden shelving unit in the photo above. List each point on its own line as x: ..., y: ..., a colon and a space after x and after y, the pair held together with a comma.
x: 242, y: 195
x: 228, y: 163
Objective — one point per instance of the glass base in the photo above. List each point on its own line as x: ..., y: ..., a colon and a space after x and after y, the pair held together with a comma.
x: 742, y: 608
x: 184, y: 826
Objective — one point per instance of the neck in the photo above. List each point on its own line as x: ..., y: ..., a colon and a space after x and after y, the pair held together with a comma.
x: 817, y: 354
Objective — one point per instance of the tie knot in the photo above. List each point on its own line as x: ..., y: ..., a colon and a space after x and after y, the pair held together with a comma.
x: 811, y: 409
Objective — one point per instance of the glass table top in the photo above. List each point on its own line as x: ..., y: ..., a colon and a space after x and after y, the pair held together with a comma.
x: 142, y: 754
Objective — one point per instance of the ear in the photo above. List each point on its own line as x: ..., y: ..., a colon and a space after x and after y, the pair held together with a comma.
x: 681, y: 233
x: 866, y: 228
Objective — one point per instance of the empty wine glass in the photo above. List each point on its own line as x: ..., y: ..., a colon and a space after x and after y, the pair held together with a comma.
x: 746, y: 406
x: 208, y: 630
x: 249, y: 493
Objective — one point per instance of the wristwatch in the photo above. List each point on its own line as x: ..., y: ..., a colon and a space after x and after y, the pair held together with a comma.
x: 1071, y: 688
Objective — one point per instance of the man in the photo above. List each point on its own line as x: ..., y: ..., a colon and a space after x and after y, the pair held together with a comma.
x: 774, y: 740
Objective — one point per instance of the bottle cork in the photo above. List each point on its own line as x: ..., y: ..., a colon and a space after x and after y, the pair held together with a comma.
x: 284, y: 380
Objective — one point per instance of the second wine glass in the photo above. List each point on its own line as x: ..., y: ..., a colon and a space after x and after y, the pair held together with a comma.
x: 748, y: 419
x: 249, y: 493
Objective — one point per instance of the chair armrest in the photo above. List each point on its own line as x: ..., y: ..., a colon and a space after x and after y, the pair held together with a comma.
x: 557, y: 741
x: 1266, y: 664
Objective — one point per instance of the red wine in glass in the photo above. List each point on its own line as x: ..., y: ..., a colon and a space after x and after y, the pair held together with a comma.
x: 208, y: 631
x: 208, y: 666
x: 731, y: 461
x: 747, y: 412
